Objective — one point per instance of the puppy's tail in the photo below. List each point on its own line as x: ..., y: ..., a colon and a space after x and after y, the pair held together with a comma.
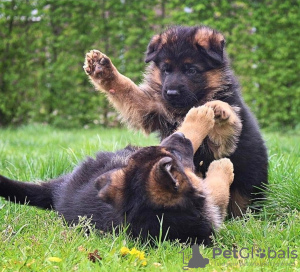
x: 33, y: 194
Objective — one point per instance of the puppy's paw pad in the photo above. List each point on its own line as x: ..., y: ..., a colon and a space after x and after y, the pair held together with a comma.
x: 221, y: 109
x: 96, y: 64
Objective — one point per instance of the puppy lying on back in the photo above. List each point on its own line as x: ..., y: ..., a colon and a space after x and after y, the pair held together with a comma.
x: 141, y: 185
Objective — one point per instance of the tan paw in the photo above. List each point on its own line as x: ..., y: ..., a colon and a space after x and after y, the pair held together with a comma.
x: 222, y: 110
x: 202, y: 117
x: 223, y: 167
x: 97, y: 65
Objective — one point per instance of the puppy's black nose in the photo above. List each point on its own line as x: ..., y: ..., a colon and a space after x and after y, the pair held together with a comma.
x: 172, y: 93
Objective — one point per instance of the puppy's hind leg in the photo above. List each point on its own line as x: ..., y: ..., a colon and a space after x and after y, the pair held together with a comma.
x: 218, y: 179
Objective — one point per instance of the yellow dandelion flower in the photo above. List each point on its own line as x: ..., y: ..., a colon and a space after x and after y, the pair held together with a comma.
x: 134, y: 251
x: 124, y: 251
x: 141, y: 255
x: 54, y: 259
x: 144, y: 263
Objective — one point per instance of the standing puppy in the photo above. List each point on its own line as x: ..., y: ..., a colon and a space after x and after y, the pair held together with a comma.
x: 189, y: 67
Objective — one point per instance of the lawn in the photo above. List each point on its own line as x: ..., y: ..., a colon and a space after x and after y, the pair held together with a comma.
x: 35, y: 240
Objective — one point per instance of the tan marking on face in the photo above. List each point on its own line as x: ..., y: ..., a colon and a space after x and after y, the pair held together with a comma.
x: 114, y: 189
x: 164, y: 151
x: 154, y: 72
x: 214, y: 79
x: 188, y: 61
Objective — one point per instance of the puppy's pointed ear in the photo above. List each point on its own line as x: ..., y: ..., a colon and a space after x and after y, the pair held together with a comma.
x: 153, y: 48
x: 167, y: 183
x: 111, y: 186
x: 211, y: 42
x: 163, y: 174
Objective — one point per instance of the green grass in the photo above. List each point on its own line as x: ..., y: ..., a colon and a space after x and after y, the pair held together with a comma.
x: 29, y: 236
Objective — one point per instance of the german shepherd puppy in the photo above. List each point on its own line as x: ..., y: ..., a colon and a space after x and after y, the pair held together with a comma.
x: 141, y: 186
x: 188, y: 68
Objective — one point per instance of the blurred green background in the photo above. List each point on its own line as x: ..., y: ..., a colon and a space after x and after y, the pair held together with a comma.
x: 43, y: 44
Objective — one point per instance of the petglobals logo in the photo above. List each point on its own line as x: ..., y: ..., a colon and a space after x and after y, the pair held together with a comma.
x: 247, y: 253
x: 197, y: 260
x: 256, y: 256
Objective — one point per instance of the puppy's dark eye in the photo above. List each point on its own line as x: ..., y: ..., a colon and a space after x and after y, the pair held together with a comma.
x: 191, y: 71
x: 166, y: 71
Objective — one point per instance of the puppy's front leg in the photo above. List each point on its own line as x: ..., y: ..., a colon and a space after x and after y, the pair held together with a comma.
x: 133, y: 104
x: 105, y: 76
x: 224, y: 136
x: 197, y: 124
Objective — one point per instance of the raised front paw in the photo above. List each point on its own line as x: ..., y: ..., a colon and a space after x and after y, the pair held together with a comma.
x: 224, y: 136
x: 222, y: 110
x: 98, y: 65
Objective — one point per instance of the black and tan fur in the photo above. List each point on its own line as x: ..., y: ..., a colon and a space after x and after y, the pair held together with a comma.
x: 188, y: 67
x: 141, y: 186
